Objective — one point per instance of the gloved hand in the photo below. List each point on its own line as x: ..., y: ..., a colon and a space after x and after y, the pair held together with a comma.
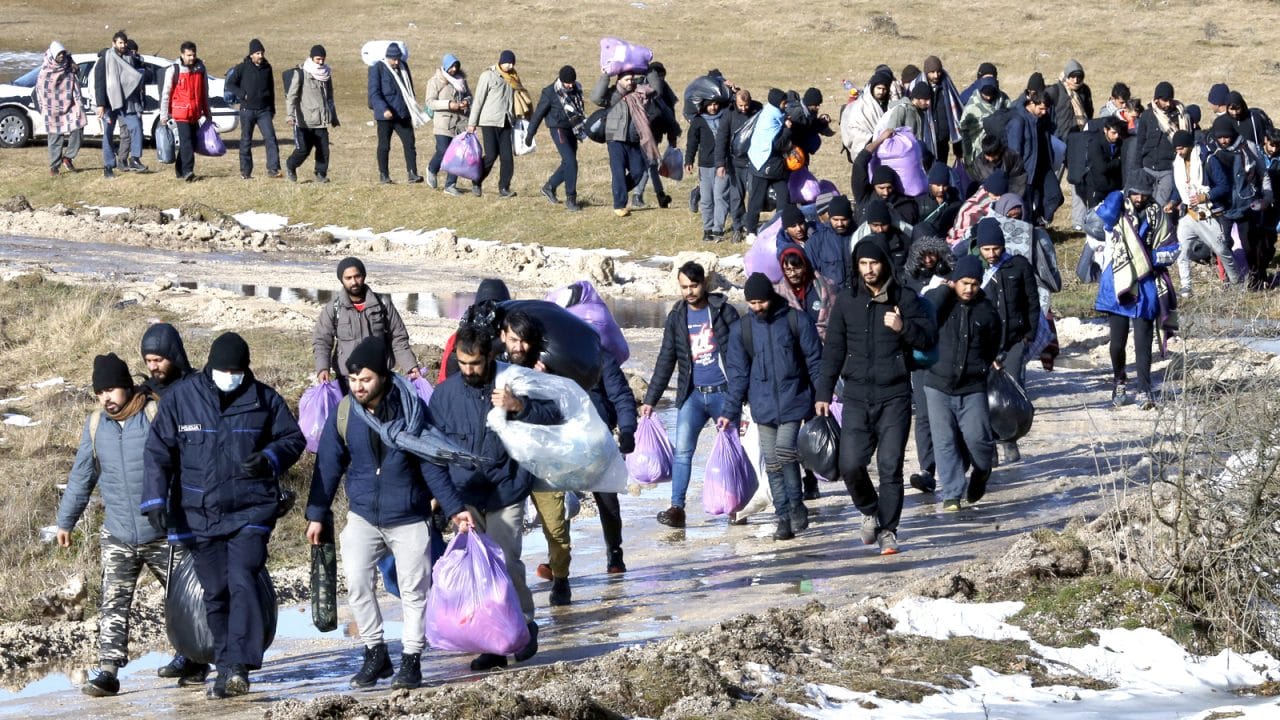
x: 159, y: 520
x: 258, y: 465
x: 627, y: 442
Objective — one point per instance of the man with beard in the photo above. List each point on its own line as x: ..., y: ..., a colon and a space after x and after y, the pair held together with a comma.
x: 945, y: 107
x: 118, y: 93
x: 773, y: 359
x: 1251, y: 193
x: 254, y: 85
x: 184, y: 99
x: 110, y: 457
x: 389, y: 509
x: 986, y: 101
x: 732, y: 141
x: 1154, y: 136
x: 938, y: 208
x: 858, y: 124
x: 165, y: 356
x: 873, y: 328
x: 828, y: 245
x: 495, y: 490
x: 359, y: 312
x: 217, y: 447
x: 1029, y: 134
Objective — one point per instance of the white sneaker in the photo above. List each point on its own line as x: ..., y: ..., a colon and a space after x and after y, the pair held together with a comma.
x: 868, y: 530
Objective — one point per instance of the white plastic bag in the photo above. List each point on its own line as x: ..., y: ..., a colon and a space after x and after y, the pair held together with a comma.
x: 578, y: 455
x: 372, y: 52
x: 520, y: 141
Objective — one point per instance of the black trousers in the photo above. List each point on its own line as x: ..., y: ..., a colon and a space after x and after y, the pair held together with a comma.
x: 309, y: 139
x: 924, y: 441
x: 610, y: 519
x: 498, y: 150
x: 404, y: 129
x: 879, y: 428
x: 756, y: 196
x: 228, y: 568
x: 1143, y: 335
x: 186, y: 164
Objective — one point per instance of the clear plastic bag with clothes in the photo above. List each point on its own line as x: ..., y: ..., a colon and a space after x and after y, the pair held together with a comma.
x: 578, y: 454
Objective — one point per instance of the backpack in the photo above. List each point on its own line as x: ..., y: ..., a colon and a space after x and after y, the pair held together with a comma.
x: 149, y: 409
x: 995, y: 123
x: 741, y: 140
x: 286, y: 78
x: 1078, y: 156
x: 227, y: 96
x: 344, y: 417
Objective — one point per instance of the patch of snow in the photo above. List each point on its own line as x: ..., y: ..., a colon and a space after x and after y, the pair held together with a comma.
x: 261, y: 222
x: 51, y: 382
x: 106, y: 211
x: 7, y: 401
x: 173, y: 213
x: 19, y: 420
x: 733, y: 261
x: 944, y: 618
x: 346, y: 233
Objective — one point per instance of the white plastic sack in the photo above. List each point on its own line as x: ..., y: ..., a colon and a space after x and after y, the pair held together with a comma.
x: 520, y: 141
x: 579, y: 454
x: 763, y: 499
x: 374, y: 51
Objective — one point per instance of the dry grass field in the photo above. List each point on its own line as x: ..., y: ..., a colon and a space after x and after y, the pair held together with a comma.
x: 756, y: 44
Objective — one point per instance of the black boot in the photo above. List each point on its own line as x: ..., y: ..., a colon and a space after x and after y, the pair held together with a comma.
x: 977, y: 485
x: 616, y: 565
x: 531, y: 649
x: 238, y: 683
x: 800, y: 518
x: 571, y: 203
x: 488, y: 661
x: 384, y: 179
x: 409, y: 676
x: 810, y: 485
x: 783, y: 531
x: 560, y: 594
x: 377, y: 666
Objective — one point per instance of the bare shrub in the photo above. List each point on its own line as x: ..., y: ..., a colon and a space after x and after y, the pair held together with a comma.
x: 882, y: 23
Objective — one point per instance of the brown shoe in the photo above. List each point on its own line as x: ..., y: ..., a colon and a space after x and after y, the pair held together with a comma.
x: 672, y: 517
x: 544, y: 572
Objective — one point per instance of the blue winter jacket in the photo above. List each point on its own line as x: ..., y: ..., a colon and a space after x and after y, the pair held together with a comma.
x: 385, y: 485
x: 384, y: 94
x: 829, y: 253
x: 1022, y: 136
x: 778, y: 378
x: 613, y: 398
x: 118, y: 475
x: 196, y: 452
x: 459, y: 411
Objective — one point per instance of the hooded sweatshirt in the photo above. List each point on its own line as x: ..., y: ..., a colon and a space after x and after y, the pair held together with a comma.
x: 163, y: 339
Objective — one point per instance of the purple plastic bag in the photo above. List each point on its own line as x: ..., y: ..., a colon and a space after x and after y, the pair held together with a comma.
x: 728, y: 481
x: 763, y: 255
x: 208, y: 142
x: 619, y: 56
x: 902, y: 153
x: 472, y: 606
x: 314, y: 408
x: 803, y: 187
x: 423, y: 389
x: 653, y: 456
x: 463, y: 157
x: 582, y: 299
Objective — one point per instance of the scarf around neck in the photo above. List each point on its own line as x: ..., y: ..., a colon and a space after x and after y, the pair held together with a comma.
x: 131, y: 408
x: 321, y: 73
x: 405, y: 84
x: 571, y: 100
x: 636, y: 100
x: 521, y: 102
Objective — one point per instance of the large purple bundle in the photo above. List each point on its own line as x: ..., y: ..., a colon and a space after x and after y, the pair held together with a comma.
x: 763, y: 255
x: 472, y: 606
x: 653, y: 456
x: 314, y: 408
x: 803, y: 187
x: 463, y: 157
x: 208, y: 142
x: 902, y: 153
x: 728, y: 481
x: 582, y: 299
x: 619, y: 56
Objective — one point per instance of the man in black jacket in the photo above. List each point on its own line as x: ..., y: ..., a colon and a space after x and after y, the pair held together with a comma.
x: 732, y: 141
x: 956, y: 385
x: 1105, y: 170
x: 872, y: 330
x: 119, y: 96
x: 561, y: 107
x: 1154, y: 135
x: 253, y: 83
x: 1010, y: 283
x: 694, y: 342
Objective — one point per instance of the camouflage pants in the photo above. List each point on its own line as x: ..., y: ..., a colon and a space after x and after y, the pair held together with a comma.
x: 122, y: 563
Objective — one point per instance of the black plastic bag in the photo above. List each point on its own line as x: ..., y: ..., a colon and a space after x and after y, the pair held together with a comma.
x: 572, y: 346
x: 184, y: 613
x: 819, y: 446
x: 324, y: 586
x: 1010, y: 410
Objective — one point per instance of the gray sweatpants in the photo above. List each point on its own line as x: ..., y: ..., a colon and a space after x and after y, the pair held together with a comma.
x: 960, y: 426
x: 506, y: 528
x: 64, y: 146
x: 362, y: 545
x: 714, y: 203
x: 1210, y: 232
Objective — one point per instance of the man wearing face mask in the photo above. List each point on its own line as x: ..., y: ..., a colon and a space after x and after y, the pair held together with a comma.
x: 165, y: 356
x: 357, y: 313
x: 217, y: 446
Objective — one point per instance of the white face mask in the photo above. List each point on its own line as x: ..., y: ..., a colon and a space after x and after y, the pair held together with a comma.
x: 226, y: 381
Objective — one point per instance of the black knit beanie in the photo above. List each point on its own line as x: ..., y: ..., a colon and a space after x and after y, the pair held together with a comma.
x: 255, y: 45
x: 371, y: 353
x: 229, y: 352
x: 840, y: 207
x: 350, y: 262
x: 109, y: 371
x: 758, y: 287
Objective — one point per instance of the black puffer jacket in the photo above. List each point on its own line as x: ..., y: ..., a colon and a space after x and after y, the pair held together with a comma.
x: 917, y: 276
x: 1013, y: 290
x: 254, y: 85
x: 868, y: 355
x: 675, y: 354
x: 968, y: 342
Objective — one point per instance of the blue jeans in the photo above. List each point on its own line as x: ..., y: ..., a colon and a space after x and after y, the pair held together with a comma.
x: 782, y: 466
x: 433, y: 167
x: 567, y: 145
x: 626, y: 166
x: 260, y: 119
x: 960, y: 426
x: 131, y: 121
x: 698, y: 408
